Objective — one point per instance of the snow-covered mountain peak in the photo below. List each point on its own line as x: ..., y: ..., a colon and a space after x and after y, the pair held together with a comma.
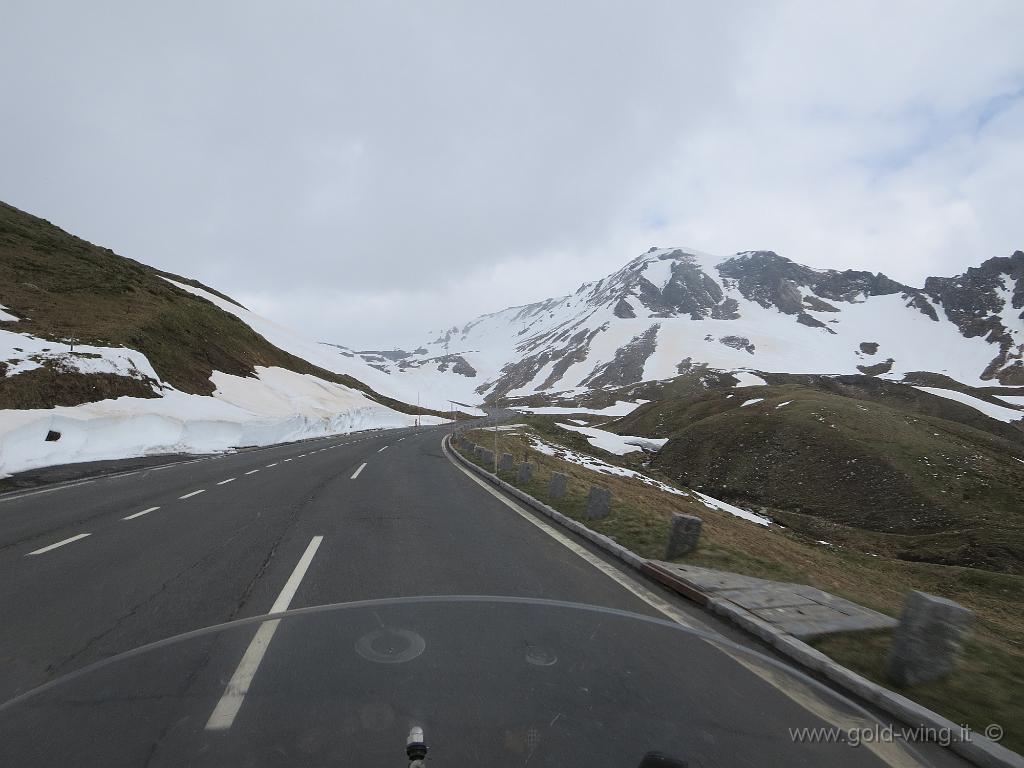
x: 671, y: 309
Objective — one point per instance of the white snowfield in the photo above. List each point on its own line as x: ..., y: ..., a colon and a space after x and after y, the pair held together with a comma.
x: 277, y: 406
x: 617, y: 444
x: 989, y: 409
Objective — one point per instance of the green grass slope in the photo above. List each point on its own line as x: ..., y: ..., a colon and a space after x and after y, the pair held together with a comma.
x: 61, y: 286
x: 859, y: 462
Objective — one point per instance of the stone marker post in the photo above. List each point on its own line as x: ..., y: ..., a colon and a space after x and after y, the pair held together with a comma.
x: 507, y: 462
x: 683, y: 535
x: 487, y: 456
x: 559, y: 485
x: 599, y: 503
x: 525, y: 474
x: 928, y: 640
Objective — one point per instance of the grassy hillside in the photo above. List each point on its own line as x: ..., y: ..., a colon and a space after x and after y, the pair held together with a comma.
x: 859, y: 462
x: 62, y: 287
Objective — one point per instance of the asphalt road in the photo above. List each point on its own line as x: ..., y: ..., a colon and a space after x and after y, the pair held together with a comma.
x: 94, y: 569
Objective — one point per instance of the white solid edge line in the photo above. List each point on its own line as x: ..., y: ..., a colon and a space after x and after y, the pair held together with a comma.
x: 252, y: 472
x: 225, y: 482
x: 662, y: 606
x: 224, y: 713
x: 194, y: 493
x: 60, y: 544
x: 892, y: 754
x: 356, y: 473
x: 140, y: 514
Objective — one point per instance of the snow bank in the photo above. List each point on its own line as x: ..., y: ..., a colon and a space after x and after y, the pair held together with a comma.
x: 613, y: 443
x: 989, y: 409
x: 6, y: 316
x: 277, y: 406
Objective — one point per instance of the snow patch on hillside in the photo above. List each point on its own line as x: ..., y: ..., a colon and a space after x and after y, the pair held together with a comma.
x: 621, y: 408
x: 748, y: 379
x: 989, y: 409
x: 596, y: 465
x: 6, y: 316
x: 23, y: 352
x: 617, y: 444
x: 732, y: 509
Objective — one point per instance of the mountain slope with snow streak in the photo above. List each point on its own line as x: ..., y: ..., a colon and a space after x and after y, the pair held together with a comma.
x: 408, y: 386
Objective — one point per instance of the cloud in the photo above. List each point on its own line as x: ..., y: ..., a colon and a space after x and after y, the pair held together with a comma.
x: 368, y: 171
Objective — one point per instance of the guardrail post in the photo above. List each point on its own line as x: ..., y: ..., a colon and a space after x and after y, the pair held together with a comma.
x: 599, y: 503
x: 559, y: 485
x: 683, y: 535
x: 927, y: 642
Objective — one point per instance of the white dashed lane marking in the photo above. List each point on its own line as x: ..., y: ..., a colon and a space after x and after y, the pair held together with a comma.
x: 140, y: 514
x: 59, y: 544
x: 252, y: 472
x: 194, y: 493
x: 225, y: 482
x: 361, y: 468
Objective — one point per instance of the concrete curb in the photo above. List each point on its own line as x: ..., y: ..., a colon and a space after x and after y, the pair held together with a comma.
x: 980, y: 750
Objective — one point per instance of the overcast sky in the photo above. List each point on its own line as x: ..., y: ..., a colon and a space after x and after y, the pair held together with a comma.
x: 369, y: 171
